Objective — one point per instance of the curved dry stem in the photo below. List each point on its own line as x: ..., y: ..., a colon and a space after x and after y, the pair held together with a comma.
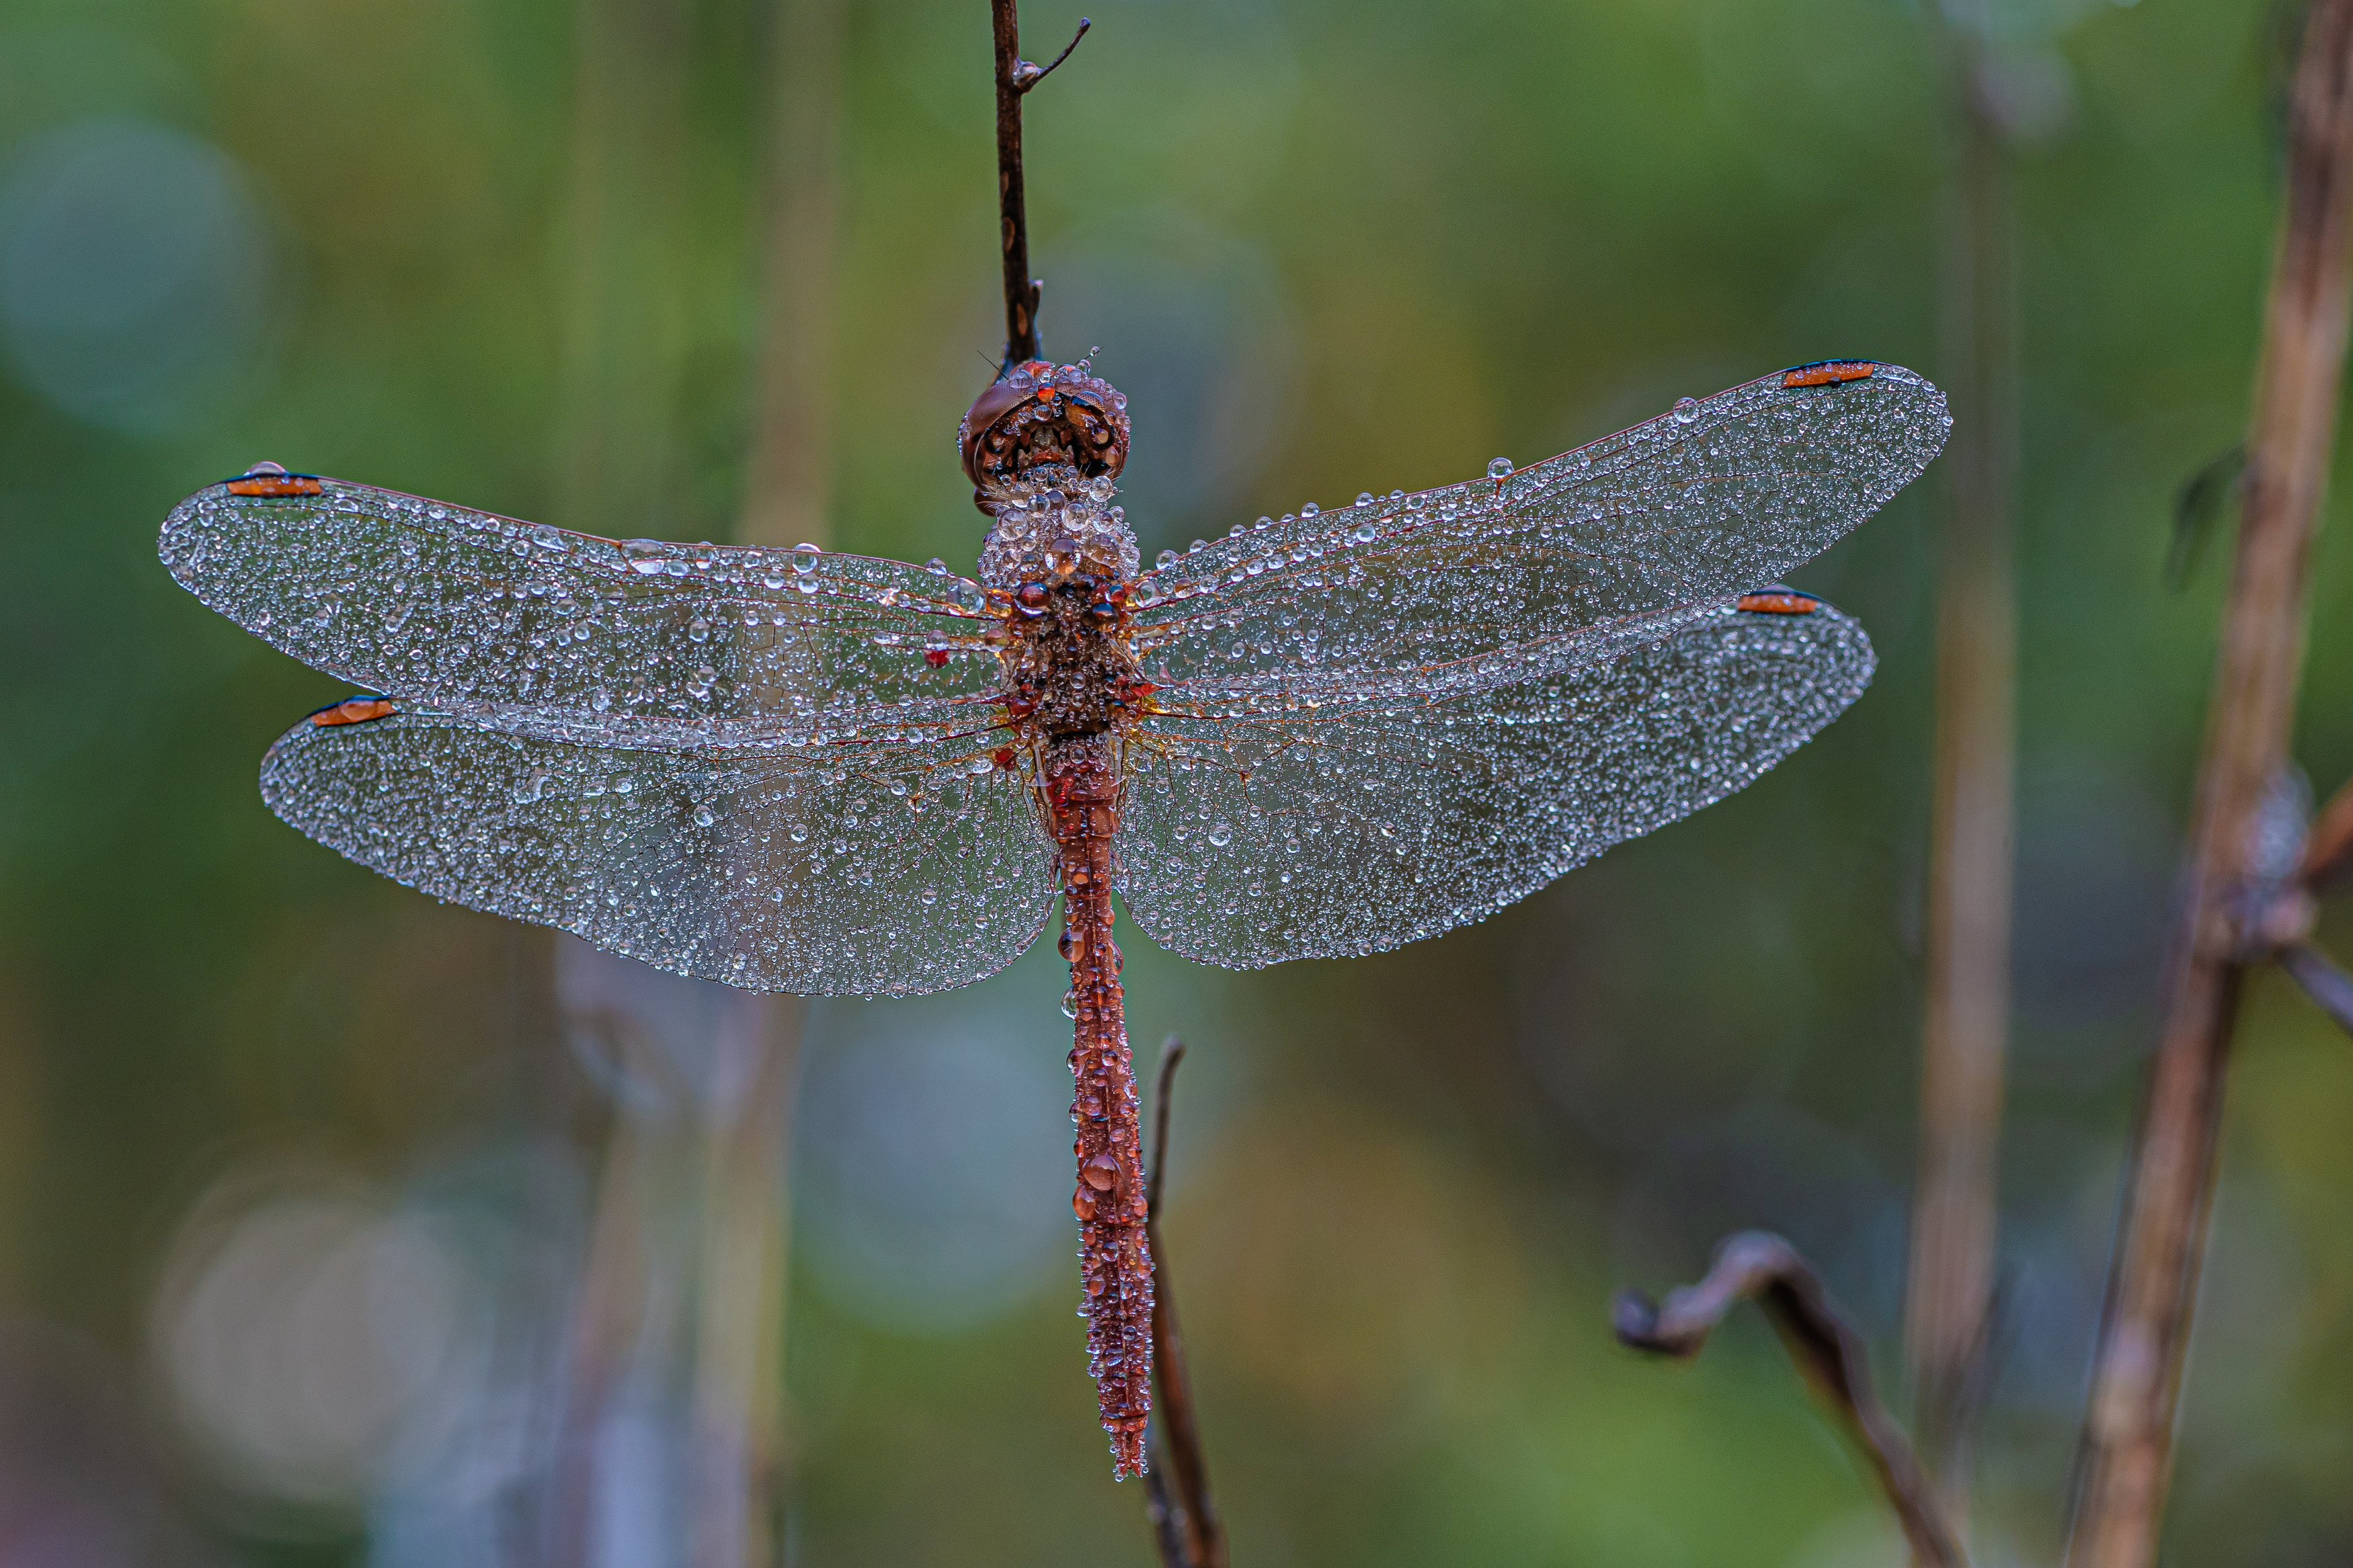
x: 1757, y: 1266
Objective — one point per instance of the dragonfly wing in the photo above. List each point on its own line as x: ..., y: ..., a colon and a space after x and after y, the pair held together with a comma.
x: 1251, y: 838
x: 867, y: 869
x: 1724, y: 494
x: 475, y: 613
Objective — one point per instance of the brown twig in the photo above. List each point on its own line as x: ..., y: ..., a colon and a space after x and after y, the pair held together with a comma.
x: 788, y: 478
x: 1184, y: 1520
x: 2127, y: 1445
x: 1015, y: 77
x: 1757, y: 1266
x: 2328, y: 849
x: 2330, y: 988
x: 1966, y: 1008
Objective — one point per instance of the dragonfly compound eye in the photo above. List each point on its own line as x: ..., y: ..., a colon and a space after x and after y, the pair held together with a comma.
x: 1050, y: 422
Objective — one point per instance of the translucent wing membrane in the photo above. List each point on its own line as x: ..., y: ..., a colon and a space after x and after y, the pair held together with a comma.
x: 1250, y: 837
x: 889, y: 867
x: 476, y: 613
x: 1380, y: 599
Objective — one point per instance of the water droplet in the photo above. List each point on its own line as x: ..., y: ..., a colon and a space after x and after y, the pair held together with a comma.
x: 805, y: 557
x: 797, y: 832
x: 702, y: 817
x: 1070, y: 1003
x: 1309, y: 509
x: 967, y: 595
x: 698, y: 630
x: 644, y: 555
x: 1686, y: 410
x: 1143, y: 593
x: 1164, y: 559
x: 1499, y: 469
x: 1102, y: 1173
x: 937, y: 566
x: 1223, y: 834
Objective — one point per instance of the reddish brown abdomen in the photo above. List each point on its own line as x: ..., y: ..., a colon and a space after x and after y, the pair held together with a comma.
x: 1115, y: 1263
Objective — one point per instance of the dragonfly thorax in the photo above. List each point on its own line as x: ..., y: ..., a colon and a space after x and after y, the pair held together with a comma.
x: 1069, y: 666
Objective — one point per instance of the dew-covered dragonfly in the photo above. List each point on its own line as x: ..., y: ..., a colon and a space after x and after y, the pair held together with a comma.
x: 1327, y: 733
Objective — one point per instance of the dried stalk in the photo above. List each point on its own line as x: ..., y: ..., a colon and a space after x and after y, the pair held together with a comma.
x: 1757, y: 1266
x: 2329, y: 987
x: 1015, y: 77
x: 789, y: 478
x: 2328, y: 849
x: 1184, y: 1518
x: 1966, y: 1006
x: 624, y: 335
x: 2128, y: 1446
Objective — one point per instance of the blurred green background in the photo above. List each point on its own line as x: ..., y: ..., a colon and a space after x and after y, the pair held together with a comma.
x: 299, y: 1172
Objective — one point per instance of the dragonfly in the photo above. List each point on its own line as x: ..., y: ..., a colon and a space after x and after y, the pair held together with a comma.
x: 1323, y: 734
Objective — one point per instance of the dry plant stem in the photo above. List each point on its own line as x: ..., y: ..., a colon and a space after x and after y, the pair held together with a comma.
x: 1015, y: 77
x: 2328, y: 848
x: 1020, y: 288
x: 620, y: 365
x: 1759, y: 1267
x: 789, y: 478
x: 740, y: 1298
x: 1966, y: 1006
x: 2126, y: 1453
x: 1185, y: 1519
x: 2330, y: 988
x: 623, y: 333
x: 1115, y: 1260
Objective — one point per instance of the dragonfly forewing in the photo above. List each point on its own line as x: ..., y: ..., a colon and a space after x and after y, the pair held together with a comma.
x: 1252, y: 837
x: 889, y: 868
x: 468, y: 610
x: 1721, y: 495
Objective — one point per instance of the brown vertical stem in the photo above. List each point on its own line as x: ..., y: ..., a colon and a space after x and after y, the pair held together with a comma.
x: 623, y: 348
x: 789, y: 478
x: 1192, y: 1535
x: 1081, y: 786
x: 1013, y: 222
x: 1015, y: 77
x: 2128, y: 1446
x: 739, y: 1372
x: 740, y: 1298
x: 1968, y: 904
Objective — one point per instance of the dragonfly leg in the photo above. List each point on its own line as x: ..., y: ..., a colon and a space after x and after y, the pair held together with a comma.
x: 1115, y: 1262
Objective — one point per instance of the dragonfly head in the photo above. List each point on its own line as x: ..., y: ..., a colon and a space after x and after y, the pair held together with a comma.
x: 1042, y: 424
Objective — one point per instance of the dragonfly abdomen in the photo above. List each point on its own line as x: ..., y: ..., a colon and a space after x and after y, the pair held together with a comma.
x: 1082, y: 789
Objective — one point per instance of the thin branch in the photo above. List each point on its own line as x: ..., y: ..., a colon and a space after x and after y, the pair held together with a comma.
x: 1026, y: 76
x: 1965, y: 1010
x: 1186, y: 1523
x: 1015, y: 77
x: 2330, y: 988
x: 2328, y: 850
x: 1757, y: 1266
x: 2126, y: 1455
